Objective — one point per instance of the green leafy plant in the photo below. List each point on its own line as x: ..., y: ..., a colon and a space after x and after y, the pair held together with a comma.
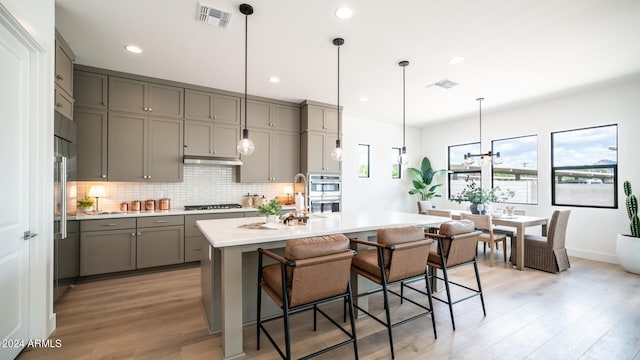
x: 632, y: 209
x: 273, y: 207
x: 423, y: 179
x: 85, y: 202
x: 477, y: 195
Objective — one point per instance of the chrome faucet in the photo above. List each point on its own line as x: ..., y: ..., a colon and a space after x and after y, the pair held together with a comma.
x: 295, y: 181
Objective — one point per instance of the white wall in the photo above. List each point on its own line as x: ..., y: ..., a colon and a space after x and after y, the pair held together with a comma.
x: 379, y: 191
x: 591, y: 232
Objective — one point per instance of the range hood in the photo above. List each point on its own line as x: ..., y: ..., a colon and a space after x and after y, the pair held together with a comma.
x: 212, y: 160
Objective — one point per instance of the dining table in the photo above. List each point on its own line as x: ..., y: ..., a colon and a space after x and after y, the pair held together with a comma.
x: 520, y: 222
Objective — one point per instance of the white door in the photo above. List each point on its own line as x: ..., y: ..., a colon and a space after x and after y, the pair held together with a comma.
x: 14, y: 186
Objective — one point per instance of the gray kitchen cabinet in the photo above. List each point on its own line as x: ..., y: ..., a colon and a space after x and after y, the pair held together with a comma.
x: 145, y: 98
x: 91, y: 126
x: 63, y: 103
x: 206, y: 138
x: 319, y: 118
x: 107, y: 245
x: 64, y: 66
x: 316, y: 151
x: 194, y: 243
x: 200, y: 105
x: 273, y: 116
x: 276, y: 158
x: 91, y: 90
x: 160, y: 241
x: 142, y: 148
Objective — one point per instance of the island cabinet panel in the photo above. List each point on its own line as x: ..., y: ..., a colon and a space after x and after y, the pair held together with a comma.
x: 107, y: 251
x: 91, y: 145
x: 90, y: 90
x: 145, y: 98
x: 163, y: 245
x: 194, y: 243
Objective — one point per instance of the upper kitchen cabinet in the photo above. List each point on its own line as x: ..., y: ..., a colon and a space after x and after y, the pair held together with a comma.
x: 200, y: 105
x: 318, y: 138
x: 316, y: 117
x: 64, y: 65
x: 144, y: 148
x: 91, y: 126
x: 145, y: 98
x: 276, y: 158
x: 273, y: 116
x: 91, y: 90
x: 207, y: 138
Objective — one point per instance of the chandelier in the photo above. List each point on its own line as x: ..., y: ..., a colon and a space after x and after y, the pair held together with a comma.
x: 485, y: 158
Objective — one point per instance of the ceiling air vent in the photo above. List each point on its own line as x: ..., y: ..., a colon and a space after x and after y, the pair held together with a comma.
x: 444, y: 84
x: 212, y: 16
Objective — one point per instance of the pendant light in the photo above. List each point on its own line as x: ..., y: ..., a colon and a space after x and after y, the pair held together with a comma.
x: 245, y: 146
x: 485, y: 158
x: 336, y: 154
x: 404, y: 159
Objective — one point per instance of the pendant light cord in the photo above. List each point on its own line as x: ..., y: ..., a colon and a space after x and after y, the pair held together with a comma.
x: 480, y: 129
x: 404, y: 128
x: 338, y: 107
x: 246, y: 31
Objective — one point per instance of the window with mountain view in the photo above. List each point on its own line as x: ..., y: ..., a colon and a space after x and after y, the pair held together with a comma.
x: 519, y: 169
x: 584, y: 166
x: 458, y: 171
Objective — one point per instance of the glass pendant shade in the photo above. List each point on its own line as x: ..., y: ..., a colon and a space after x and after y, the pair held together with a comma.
x: 336, y: 154
x: 246, y: 147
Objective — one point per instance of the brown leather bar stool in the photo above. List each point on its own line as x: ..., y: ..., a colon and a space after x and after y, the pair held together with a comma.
x: 457, y: 246
x: 399, y: 256
x: 313, y: 271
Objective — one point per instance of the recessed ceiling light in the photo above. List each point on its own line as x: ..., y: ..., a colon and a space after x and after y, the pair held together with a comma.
x: 456, y: 60
x: 364, y: 99
x: 134, y: 49
x: 274, y: 79
x: 344, y: 13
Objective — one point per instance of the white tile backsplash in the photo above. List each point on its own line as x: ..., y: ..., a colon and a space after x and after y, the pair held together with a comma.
x: 201, y: 185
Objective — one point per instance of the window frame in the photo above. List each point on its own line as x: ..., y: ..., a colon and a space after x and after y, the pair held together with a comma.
x: 467, y: 172
x: 537, y: 169
x: 397, y: 163
x: 368, y: 161
x: 575, y: 167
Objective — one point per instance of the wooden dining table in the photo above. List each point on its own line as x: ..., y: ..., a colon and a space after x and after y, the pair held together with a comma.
x: 520, y: 222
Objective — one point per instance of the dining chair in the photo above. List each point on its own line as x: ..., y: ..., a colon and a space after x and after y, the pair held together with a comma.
x: 547, y: 253
x: 509, y: 231
x: 484, y: 223
x: 457, y: 244
x: 436, y: 212
x: 399, y: 256
x: 313, y: 271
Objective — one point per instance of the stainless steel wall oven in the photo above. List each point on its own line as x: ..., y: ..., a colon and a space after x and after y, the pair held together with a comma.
x: 325, y: 192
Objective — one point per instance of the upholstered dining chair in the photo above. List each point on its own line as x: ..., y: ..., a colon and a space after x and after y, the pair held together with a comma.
x: 457, y: 246
x: 484, y: 223
x: 436, y: 212
x: 399, y: 256
x: 313, y: 271
x: 547, y: 253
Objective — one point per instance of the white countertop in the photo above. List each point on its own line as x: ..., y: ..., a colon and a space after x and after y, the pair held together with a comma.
x: 226, y: 232
x: 177, y: 211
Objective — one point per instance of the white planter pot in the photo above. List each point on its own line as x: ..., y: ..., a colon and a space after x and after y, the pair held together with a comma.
x: 628, y: 252
x: 272, y: 218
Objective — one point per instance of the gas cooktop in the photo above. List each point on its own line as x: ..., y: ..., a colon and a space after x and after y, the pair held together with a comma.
x: 212, y: 207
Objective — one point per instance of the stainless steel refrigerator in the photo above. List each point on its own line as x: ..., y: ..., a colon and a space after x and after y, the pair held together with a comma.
x: 66, y: 250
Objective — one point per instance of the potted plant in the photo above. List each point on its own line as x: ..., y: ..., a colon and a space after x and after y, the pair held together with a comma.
x: 422, y: 183
x: 271, y: 210
x: 481, y: 197
x: 86, y: 204
x: 628, y: 246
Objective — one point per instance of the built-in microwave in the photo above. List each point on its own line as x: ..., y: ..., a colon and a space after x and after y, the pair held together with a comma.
x: 322, y: 206
x: 324, y: 186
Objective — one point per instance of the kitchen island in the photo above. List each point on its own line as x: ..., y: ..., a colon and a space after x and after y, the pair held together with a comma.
x: 229, y: 267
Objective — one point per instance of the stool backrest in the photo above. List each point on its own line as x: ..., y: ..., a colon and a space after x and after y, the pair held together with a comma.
x: 461, y: 242
x: 411, y: 250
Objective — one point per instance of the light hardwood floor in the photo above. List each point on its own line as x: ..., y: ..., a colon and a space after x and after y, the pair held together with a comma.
x: 591, y: 311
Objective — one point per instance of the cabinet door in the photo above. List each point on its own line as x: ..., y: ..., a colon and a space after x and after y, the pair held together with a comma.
x: 64, y: 103
x: 225, y: 140
x: 165, y: 100
x: 91, y: 126
x: 164, y: 155
x: 331, y: 121
x: 312, y: 145
x: 160, y: 246
x: 127, y: 95
x: 315, y: 118
x: 126, y: 147
x: 198, y: 137
x: 90, y: 89
x: 285, y: 118
x: 255, y: 167
x: 259, y: 114
x: 64, y: 68
x: 194, y: 247
x: 330, y: 165
x: 285, y: 156
x: 226, y: 109
x: 197, y: 105
x: 107, y: 251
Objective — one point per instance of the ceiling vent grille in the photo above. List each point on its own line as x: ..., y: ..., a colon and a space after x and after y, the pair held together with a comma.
x: 212, y: 16
x: 444, y: 84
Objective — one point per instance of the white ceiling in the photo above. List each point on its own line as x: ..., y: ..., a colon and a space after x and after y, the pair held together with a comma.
x: 515, y: 50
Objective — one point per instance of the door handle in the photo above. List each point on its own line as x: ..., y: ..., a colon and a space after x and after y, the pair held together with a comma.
x: 28, y: 235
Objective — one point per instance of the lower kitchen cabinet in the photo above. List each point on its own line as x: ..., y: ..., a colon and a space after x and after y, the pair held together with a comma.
x: 194, y: 243
x: 107, y: 251
x: 160, y: 246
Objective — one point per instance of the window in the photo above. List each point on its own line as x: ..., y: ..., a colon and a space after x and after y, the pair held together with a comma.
x: 363, y: 160
x: 396, y: 166
x: 459, y: 171
x: 519, y: 170
x: 584, y: 167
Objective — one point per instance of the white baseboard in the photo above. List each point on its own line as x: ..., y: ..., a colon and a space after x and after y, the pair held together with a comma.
x: 593, y: 255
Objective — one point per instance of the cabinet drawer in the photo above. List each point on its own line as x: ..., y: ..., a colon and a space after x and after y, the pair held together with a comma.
x: 153, y: 221
x: 194, y: 247
x: 190, y: 228
x: 107, y: 224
